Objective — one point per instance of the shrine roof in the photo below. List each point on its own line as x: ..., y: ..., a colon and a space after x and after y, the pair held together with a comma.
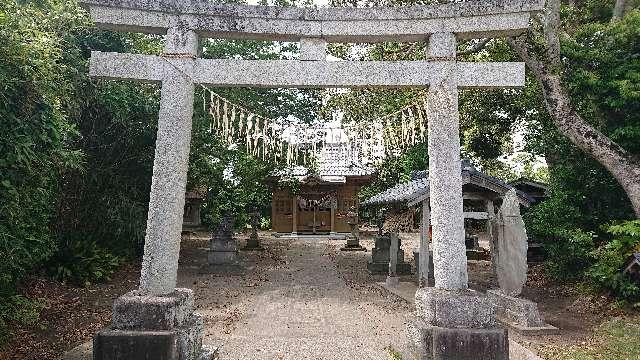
x: 531, y: 183
x: 335, y: 164
x: 417, y: 189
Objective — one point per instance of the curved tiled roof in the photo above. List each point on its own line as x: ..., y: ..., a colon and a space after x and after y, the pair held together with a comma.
x: 335, y: 163
x: 417, y: 189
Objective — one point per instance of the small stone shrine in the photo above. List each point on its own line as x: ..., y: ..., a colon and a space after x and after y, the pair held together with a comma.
x: 222, y: 246
x: 380, y: 256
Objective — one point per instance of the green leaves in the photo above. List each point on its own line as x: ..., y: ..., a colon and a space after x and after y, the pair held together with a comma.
x: 606, y: 273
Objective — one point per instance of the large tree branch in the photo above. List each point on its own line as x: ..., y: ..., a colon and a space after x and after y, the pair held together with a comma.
x: 624, y: 167
x: 551, y: 29
x: 619, y: 10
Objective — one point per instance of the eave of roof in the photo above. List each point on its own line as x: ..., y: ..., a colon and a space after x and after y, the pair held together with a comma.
x: 417, y: 190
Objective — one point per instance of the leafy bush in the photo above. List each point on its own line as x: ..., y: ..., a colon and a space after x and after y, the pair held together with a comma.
x: 33, y: 132
x: 605, y: 274
x: 17, y: 309
x: 570, y: 254
x: 82, y: 262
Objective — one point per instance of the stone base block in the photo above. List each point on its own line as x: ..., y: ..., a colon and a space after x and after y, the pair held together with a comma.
x: 382, y: 268
x: 221, y: 257
x: 516, y: 310
x: 152, y: 327
x: 437, y: 343
x: 253, y: 245
x: 455, y: 308
x: 392, y: 281
x: 137, y: 311
x: 125, y: 344
x: 353, y: 247
x: 478, y: 254
x: 223, y: 244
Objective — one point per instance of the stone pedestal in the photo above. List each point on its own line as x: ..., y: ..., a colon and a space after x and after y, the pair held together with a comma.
x: 253, y: 242
x: 520, y: 314
x: 353, y: 239
x: 457, y: 324
x: 222, y: 251
x: 379, y: 261
x: 353, y: 244
x: 153, y: 327
x: 222, y: 246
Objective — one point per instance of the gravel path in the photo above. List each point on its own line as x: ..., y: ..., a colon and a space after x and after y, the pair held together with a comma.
x: 293, y: 302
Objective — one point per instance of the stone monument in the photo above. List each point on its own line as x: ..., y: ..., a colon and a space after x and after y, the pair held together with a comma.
x: 509, y: 252
x: 380, y: 256
x: 510, y: 246
x: 353, y: 238
x: 222, y: 246
x: 253, y: 242
x: 392, y: 276
x: 452, y: 321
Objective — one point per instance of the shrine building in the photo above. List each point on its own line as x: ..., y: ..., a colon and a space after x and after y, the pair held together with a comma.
x: 326, y: 195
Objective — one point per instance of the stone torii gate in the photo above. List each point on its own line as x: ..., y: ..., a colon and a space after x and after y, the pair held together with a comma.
x: 158, y: 317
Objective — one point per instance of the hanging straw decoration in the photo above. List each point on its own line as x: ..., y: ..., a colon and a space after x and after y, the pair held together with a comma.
x: 386, y: 136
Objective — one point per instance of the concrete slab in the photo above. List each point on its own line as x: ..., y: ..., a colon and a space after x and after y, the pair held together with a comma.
x: 545, y: 329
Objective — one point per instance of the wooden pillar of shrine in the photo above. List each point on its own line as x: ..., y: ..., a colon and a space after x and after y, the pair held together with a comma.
x: 294, y: 212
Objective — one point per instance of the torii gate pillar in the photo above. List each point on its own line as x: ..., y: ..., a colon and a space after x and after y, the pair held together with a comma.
x: 453, y: 322
x: 158, y: 321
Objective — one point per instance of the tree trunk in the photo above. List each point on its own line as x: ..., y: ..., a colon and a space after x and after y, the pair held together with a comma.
x: 619, y: 10
x: 623, y: 165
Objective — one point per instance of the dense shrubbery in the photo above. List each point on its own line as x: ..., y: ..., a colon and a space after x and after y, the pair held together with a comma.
x: 37, y: 88
x: 605, y: 274
x: 17, y: 309
x: 75, y: 158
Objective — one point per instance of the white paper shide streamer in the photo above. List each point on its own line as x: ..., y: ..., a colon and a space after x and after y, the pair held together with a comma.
x: 374, y: 140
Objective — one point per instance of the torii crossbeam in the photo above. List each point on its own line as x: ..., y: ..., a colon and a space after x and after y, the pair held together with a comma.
x: 179, y: 68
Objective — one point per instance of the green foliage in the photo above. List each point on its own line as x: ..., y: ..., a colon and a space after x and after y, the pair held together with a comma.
x: 17, y: 309
x: 394, y: 170
x: 601, y: 72
x: 569, y: 254
x: 603, y: 75
x: 605, y: 274
x: 236, y: 181
x: 75, y: 158
x: 36, y: 85
x: 82, y: 262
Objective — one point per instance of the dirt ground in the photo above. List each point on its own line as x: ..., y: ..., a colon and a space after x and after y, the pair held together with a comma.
x: 232, y: 303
